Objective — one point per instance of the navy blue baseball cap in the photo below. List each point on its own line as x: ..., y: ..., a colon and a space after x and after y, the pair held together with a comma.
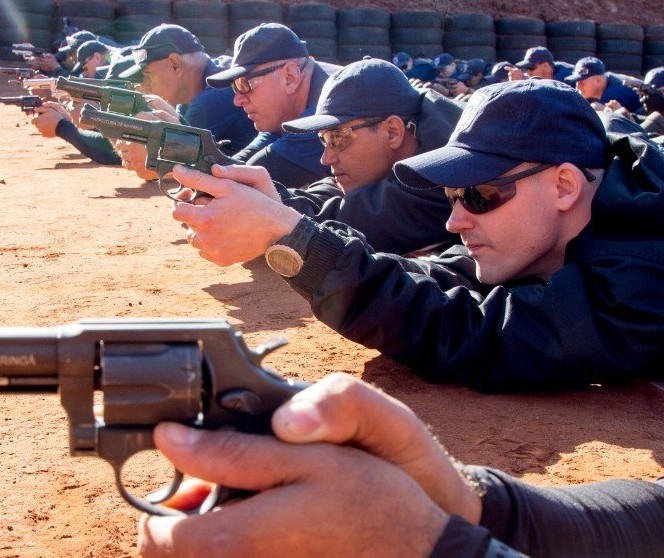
x: 442, y: 60
x: 158, y: 43
x: 535, y: 56
x: 470, y: 68
x: 85, y: 51
x: 499, y: 72
x: 402, y: 60
x: 585, y: 68
x: 75, y: 40
x: 267, y: 42
x: 506, y: 124
x: 365, y: 88
x: 121, y: 61
x: 655, y: 77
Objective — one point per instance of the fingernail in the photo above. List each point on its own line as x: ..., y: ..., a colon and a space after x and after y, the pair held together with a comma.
x: 300, y: 417
x: 181, y: 435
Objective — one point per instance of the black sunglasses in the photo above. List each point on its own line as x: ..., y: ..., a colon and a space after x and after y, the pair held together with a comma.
x: 492, y: 194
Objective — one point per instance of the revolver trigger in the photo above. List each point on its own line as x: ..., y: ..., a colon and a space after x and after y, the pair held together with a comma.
x: 264, y: 349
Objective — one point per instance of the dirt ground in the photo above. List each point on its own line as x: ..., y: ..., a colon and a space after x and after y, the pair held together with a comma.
x: 84, y: 241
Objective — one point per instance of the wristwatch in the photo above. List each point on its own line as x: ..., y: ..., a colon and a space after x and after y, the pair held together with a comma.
x: 287, y: 255
x: 284, y: 260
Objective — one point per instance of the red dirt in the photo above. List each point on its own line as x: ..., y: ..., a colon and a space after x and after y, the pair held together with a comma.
x: 82, y: 241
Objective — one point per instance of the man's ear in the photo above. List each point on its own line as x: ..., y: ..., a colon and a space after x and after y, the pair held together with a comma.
x: 293, y: 75
x: 175, y: 62
x: 396, y: 129
x: 569, y: 185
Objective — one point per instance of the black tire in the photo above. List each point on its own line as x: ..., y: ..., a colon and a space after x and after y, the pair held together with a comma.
x: 422, y: 19
x: 429, y: 51
x: 464, y: 21
x: 486, y: 53
x: 363, y: 17
x: 515, y: 42
x: 127, y: 38
x: 572, y: 43
x: 519, y: 25
x: 140, y: 24
x: 351, y: 53
x: 651, y: 61
x: 40, y: 37
x: 625, y: 31
x: 85, y: 8
x: 653, y: 33
x: 469, y: 37
x: 44, y: 7
x: 619, y: 46
x: 571, y: 56
x: 199, y: 26
x: 311, y: 12
x: 6, y: 53
x: 653, y: 47
x: 95, y: 25
x: 427, y: 35
x: 199, y: 8
x: 161, y: 8
x: 322, y: 48
x: 317, y: 29
x: 511, y: 55
x: 38, y: 21
x: 10, y: 34
x: 239, y: 26
x: 624, y: 61
x: 256, y: 10
x: 363, y: 36
x: 214, y: 46
x: 581, y: 28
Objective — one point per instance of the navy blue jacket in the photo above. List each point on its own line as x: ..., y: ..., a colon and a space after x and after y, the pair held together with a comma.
x: 393, y: 219
x: 600, y: 318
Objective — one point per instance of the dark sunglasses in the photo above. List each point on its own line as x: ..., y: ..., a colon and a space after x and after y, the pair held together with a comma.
x: 492, y: 194
x: 242, y: 84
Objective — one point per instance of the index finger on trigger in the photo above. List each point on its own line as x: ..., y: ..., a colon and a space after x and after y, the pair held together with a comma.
x: 200, y: 181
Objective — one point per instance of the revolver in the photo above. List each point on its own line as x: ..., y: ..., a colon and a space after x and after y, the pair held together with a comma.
x: 111, y: 99
x: 27, y: 50
x: 167, y: 144
x: 198, y: 372
x: 28, y: 103
x: 18, y: 73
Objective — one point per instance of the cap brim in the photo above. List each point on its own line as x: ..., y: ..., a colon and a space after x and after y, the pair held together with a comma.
x: 77, y: 69
x: 315, y: 123
x: 573, y: 78
x: 226, y: 77
x: 130, y: 72
x: 65, y: 49
x: 450, y: 166
x: 523, y: 65
x: 462, y: 77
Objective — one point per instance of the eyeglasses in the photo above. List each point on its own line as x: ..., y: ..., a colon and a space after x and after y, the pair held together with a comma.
x: 492, y: 194
x: 340, y: 138
x: 242, y: 84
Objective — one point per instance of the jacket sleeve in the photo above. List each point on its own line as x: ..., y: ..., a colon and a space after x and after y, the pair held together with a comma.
x: 592, y: 322
x: 90, y: 143
x: 610, y: 519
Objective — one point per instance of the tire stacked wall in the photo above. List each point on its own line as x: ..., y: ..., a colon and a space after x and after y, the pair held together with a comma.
x: 341, y: 35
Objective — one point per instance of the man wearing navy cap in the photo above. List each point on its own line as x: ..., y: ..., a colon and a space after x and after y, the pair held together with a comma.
x: 539, y: 62
x: 174, y: 65
x: 403, y: 61
x: 469, y: 77
x: 90, y: 56
x: 274, y: 80
x: 539, y: 296
x: 365, y: 130
x: 596, y: 85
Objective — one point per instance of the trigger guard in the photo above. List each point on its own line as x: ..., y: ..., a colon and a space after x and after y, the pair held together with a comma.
x: 147, y: 506
x: 168, y: 491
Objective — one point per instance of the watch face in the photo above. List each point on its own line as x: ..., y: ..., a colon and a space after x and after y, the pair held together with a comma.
x: 284, y: 260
